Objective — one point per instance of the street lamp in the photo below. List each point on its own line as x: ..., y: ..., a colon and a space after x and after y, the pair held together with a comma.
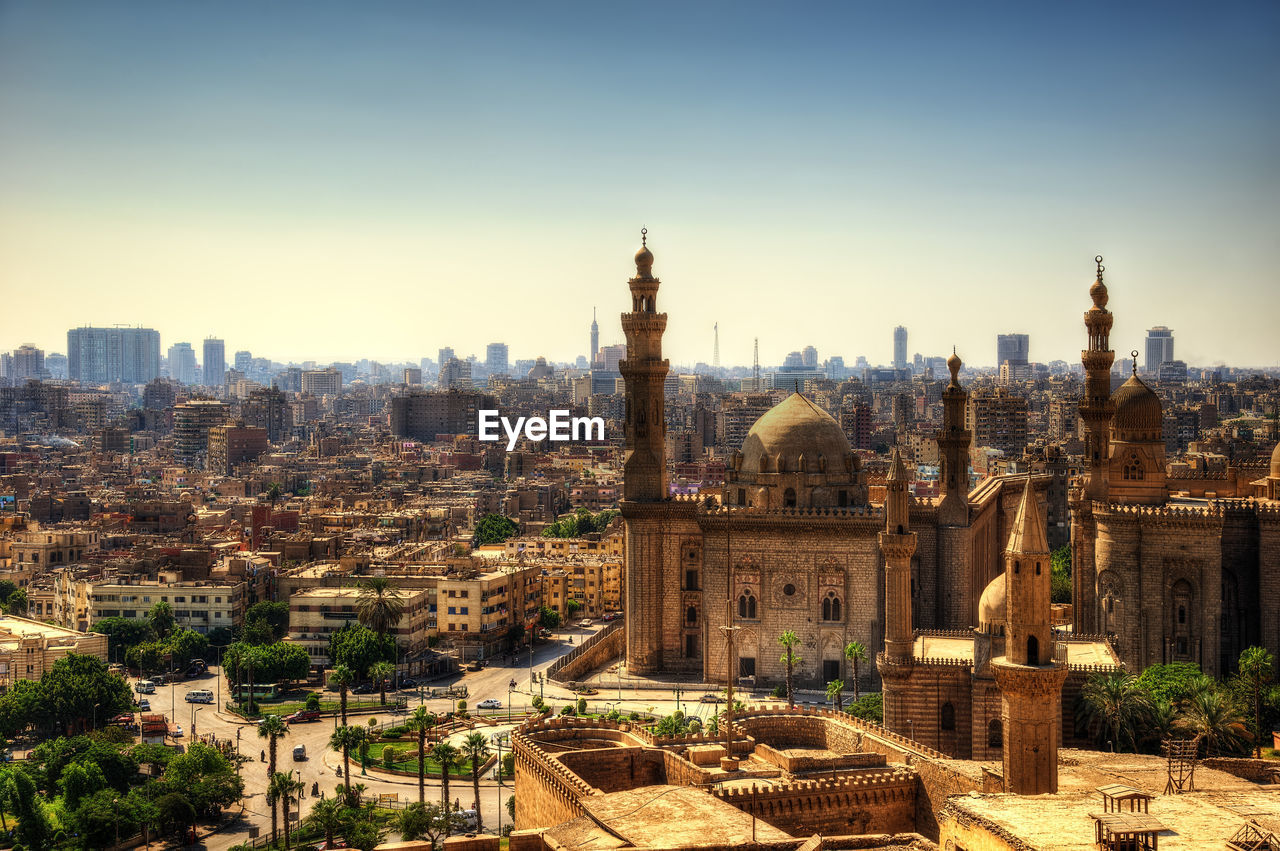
x: 195, y: 712
x: 95, y: 715
x: 510, y: 686
x: 115, y: 809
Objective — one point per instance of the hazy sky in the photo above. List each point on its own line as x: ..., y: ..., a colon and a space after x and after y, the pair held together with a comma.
x: 317, y: 180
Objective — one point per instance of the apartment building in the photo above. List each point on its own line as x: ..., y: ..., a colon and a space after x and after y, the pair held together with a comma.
x: 44, y: 548
x: 28, y: 648
x: 202, y: 605
x: 316, y: 613
x: 478, y: 613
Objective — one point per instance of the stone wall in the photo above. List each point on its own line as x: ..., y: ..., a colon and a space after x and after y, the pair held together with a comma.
x: 616, y: 769
x: 1254, y: 770
x: 871, y: 802
x: 596, y: 652
x: 939, y: 781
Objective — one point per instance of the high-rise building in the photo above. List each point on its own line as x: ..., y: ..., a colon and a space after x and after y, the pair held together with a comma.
x: 191, y: 423
x: 998, y: 419
x: 445, y: 354
x: 809, y: 356
x: 423, y: 415
x: 28, y: 362
x: 900, y: 347
x: 182, y: 363
x: 322, y: 382
x: 215, y: 361
x: 455, y: 373
x: 1159, y: 347
x: 595, y: 335
x: 244, y: 361
x: 412, y: 376
x: 610, y: 357
x: 55, y: 363
x: 496, y: 359
x: 231, y: 445
x: 1013, y: 349
x: 126, y: 355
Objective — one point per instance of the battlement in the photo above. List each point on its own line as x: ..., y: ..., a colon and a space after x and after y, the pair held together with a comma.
x: 863, y: 780
x: 859, y: 511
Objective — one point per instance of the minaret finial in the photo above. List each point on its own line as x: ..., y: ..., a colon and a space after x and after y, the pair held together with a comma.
x: 1101, y: 268
x: 1134, y: 354
x: 644, y: 236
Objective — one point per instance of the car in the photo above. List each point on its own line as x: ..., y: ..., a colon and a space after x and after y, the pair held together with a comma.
x: 299, y: 753
x: 477, y: 665
x: 489, y: 703
x: 303, y: 715
x: 543, y: 632
x: 584, y: 623
x: 711, y: 698
x: 364, y: 688
x: 144, y: 705
x: 465, y: 819
x: 408, y: 684
x: 177, y: 731
x: 611, y: 616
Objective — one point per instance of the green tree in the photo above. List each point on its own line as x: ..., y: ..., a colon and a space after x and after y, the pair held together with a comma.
x: 1174, y: 682
x: 494, y: 529
x: 423, y: 821
x: 835, y: 694
x: 283, y: 789
x: 344, y: 739
x: 186, y: 644
x: 161, y: 618
x: 1060, y: 575
x: 358, y: 647
x: 76, y: 684
x: 1257, y: 672
x: 475, y: 748
x: 204, y: 777
x: 16, y: 603
x: 381, y: 672
x: 420, y: 722
x: 855, y: 652
x: 328, y: 816
x: 97, y: 820
x: 548, y: 618
x: 573, y: 606
x: 380, y: 606
x: 869, y: 707
x: 790, y: 641
x: 341, y: 678
x: 34, y: 830
x: 273, y: 729
x: 447, y: 757
x: 1210, y: 717
x: 175, y: 813
x: 275, y: 615
x: 1114, y: 708
x: 123, y: 633
x: 78, y: 781
x: 146, y: 658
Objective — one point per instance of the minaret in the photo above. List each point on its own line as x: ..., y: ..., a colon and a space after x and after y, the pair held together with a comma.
x: 1095, y: 407
x: 954, y: 441
x: 898, y: 543
x: 595, y: 337
x: 1029, y: 677
x: 645, y: 373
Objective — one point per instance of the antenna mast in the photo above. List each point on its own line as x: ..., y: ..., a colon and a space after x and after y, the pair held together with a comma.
x: 755, y: 366
x: 715, y: 352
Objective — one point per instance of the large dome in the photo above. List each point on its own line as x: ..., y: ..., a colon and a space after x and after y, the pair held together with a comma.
x: 792, y: 429
x: 992, y: 606
x: 1139, y: 415
x: 1275, y: 462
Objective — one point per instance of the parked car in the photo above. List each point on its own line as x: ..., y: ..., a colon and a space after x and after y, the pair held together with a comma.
x: 711, y: 698
x: 477, y: 665
x: 144, y: 705
x: 584, y: 623
x: 364, y: 688
x: 299, y: 753
x: 489, y: 703
x: 303, y: 715
x: 408, y: 684
x: 465, y: 819
x: 200, y: 695
x: 177, y: 731
x: 145, y: 687
x: 543, y: 632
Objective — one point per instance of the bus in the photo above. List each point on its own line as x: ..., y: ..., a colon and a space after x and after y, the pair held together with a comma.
x: 261, y: 691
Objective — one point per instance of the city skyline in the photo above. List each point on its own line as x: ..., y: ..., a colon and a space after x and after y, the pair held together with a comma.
x: 347, y: 184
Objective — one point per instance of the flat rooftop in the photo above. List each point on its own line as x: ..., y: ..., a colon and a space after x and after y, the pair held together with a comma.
x: 1079, y: 651
x: 11, y: 627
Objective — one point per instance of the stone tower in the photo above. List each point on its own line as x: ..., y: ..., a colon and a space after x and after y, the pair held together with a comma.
x: 958, y: 576
x: 1096, y: 408
x: 645, y: 373
x: 898, y: 543
x: 595, y: 339
x: 1029, y: 677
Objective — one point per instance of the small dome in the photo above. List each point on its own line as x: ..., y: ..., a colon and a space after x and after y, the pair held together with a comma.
x: 953, y: 365
x: 1275, y: 462
x: 793, y: 427
x: 1138, y: 409
x: 1098, y: 292
x: 644, y: 257
x: 991, y: 606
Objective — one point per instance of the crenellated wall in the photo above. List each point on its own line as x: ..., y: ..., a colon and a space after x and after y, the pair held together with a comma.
x: 874, y: 801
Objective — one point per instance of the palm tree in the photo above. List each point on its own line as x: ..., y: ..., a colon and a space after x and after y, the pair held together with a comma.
x: 835, y: 694
x: 1114, y: 706
x: 476, y: 749
x: 272, y: 729
x: 344, y: 739
x: 1257, y: 669
x: 855, y: 652
x: 790, y: 641
x: 341, y: 678
x: 282, y: 789
x: 380, y: 606
x: 327, y: 815
x: 381, y: 672
x: 1210, y: 716
x: 447, y: 756
x: 420, y: 721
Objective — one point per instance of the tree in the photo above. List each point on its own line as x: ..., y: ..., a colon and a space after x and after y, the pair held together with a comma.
x: 1257, y: 671
x: 186, y: 644
x: 548, y: 618
x: 98, y: 818
x: 790, y: 641
x: 344, y: 739
x: 162, y: 619
x: 78, y: 781
x: 329, y: 816
x: 573, y: 606
x: 475, y: 748
x: 175, y: 813
x: 341, y: 678
x: 123, y: 633
x: 275, y: 615
x: 34, y: 830
x: 204, y: 777
x: 447, y: 756
x: 494, y: 529
x: 835, y: 694
x: 379, y: 606
x: 272, y: 729
x: 283, y: 788
x: 16, y: 603
x: 1210, y: 716
x: 420, y: 722
x: 855, y: 652
x: 381, y: 672
x: 869, y: 707
x: 1060, y: 575
x: 1114, y: 708
x: 70, y: 690
x: 423, y: 821
x: 358, y: 647
x: 146, y: 657
x: 1174, y: 682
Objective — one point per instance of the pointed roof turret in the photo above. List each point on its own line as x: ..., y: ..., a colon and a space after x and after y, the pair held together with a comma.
x: 1028, y: 535
x: 897, y: 499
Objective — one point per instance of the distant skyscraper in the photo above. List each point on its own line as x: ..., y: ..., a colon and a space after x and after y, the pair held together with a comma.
x: 28, y: 362
x: 215, y: 361
x: 455, y: 373
x: 793, y: 360
x: 445, y: 355
x: 126, y: 355
x: 1159, y: 347
x: 595, y: 335
x: 900, y: 347
x: 244, y: 361
x: 182, y: 363
x: 810, y: 357
x: 1014, y: 349
x: 55, y: 363
x: 496, y: 359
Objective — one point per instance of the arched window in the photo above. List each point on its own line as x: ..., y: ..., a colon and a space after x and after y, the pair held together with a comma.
x: 1033, y: 650
x: 995, y: 734
x: 1182, y: 614
x: 947, y: 716
x: 1133, y: 469
x: 832, y: 610
x: 691, y: 616
x: 789, y: 498
x: 747, y: 605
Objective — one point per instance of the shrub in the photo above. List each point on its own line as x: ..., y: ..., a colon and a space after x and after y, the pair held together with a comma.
x: 508, y: 764
x: 462, y: 706
x: 313, y: 702
x: 870, y: 707
x: 391, y: 734
x: 614, y: 715
x: 634, y: 716
x: 780, y: 691
x: 538, y: 703
x: 582, y: 706
x: 569, y: 710
x: 389, y: 756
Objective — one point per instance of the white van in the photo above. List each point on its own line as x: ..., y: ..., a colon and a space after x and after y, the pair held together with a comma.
x: 145, y: 687
x: 200, y: 695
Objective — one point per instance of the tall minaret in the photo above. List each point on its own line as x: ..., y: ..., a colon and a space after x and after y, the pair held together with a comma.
x: 1096, y: 408
x: 595, y: 337
x: 1029, y: 677
x: 898, y: 543
x: 954, y: 441
x: 645, y: 373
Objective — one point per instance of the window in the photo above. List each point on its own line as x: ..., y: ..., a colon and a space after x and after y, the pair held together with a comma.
x: 690, y: 646
x: 789, y: 590
x: 691, y: 616
x: 1133, y: 469
x: 789, y: 498
x: 947, y: 716
x: 691, y: 580
x: 462, y: 610
x: 747, y: 666
x: 1182, y: 614
x: 1033, y: 650
x: 842, y: 499
x: 742, y: 497
x: 995, y: 733
x: 831, y: 608
x: 747, y: 605
x: 452, y: 610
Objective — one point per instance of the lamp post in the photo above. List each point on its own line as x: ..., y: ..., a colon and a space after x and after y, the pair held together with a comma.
x: 510, y: 686
x: 194, y: 712
x: 95, y: 715
x: 239, y: 730
x: 115, y: 810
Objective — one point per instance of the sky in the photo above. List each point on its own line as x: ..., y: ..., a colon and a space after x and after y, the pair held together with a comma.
x: 337, y: 180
